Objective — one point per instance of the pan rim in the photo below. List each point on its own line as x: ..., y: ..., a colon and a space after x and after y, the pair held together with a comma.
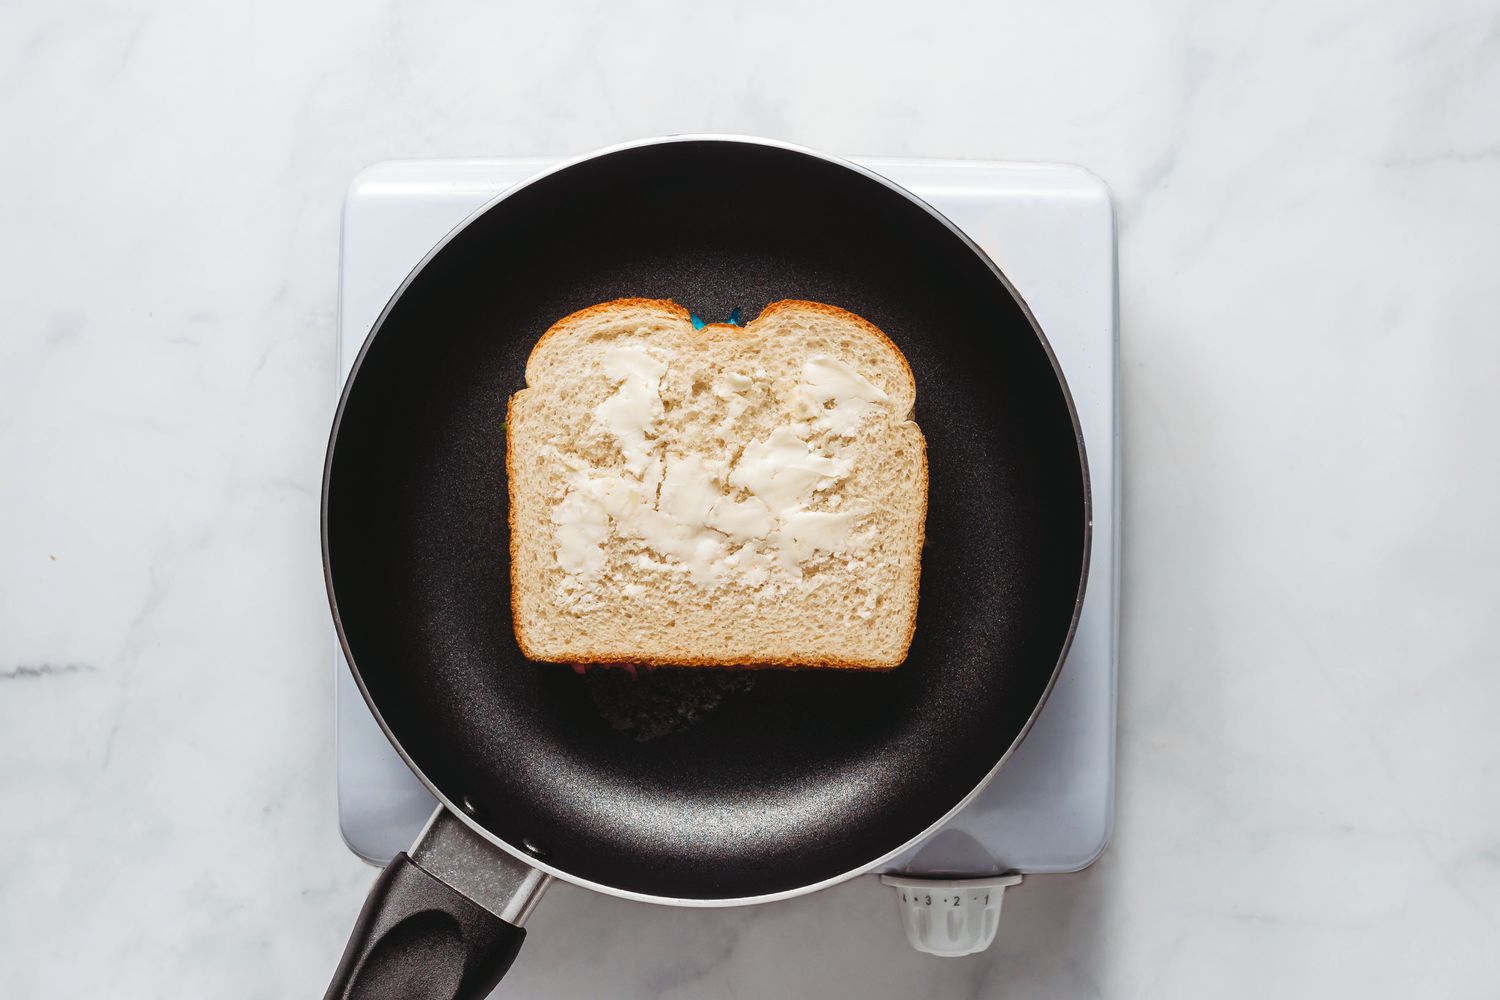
x: 518, y: 852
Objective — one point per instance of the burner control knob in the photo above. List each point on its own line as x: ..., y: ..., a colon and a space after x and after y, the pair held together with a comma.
x: 949, y: 917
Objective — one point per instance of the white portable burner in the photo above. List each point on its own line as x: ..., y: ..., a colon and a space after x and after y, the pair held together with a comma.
x: 1051, y: 230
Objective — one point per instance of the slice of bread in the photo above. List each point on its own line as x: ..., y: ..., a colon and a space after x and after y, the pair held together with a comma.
x: 715, y: 497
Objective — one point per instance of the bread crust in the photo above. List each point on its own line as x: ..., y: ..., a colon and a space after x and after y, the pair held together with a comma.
x: 677, y: 311
x: 849, y: 317
x: 613, y: 305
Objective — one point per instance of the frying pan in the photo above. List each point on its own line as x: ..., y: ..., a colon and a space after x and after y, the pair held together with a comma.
x: 809, y: 777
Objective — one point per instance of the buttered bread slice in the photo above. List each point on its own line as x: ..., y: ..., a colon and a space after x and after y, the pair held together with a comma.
x: 717, y: 496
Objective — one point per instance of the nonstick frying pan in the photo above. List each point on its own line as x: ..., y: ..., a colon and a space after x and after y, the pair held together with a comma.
x: 809, y: 777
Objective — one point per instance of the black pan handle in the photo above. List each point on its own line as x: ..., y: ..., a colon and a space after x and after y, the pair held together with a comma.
x: 441, y: 924
x: 417, y: 939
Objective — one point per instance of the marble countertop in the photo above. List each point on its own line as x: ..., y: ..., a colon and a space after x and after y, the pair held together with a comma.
x: 1308, y: 198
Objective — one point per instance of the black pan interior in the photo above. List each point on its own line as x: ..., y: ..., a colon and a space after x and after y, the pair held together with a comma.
x: 810, y: 774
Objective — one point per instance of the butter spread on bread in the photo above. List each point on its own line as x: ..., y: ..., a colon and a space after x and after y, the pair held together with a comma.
x: 715, y: 497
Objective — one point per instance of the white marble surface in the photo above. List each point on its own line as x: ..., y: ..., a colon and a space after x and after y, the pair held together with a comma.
x: 1309, y: 197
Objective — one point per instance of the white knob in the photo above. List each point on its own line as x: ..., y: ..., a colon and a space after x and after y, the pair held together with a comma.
x: 950, y: 917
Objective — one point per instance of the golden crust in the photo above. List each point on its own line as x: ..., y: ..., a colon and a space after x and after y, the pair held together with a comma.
x: 510, y: 478
x: 732, y: 663
x: 846, y: 315
x: 613, y: 305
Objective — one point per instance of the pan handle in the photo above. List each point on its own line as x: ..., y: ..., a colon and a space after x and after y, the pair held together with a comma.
x: 444, y: 921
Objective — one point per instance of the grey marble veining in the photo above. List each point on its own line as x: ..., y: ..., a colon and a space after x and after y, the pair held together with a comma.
x: 1308, y: 197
